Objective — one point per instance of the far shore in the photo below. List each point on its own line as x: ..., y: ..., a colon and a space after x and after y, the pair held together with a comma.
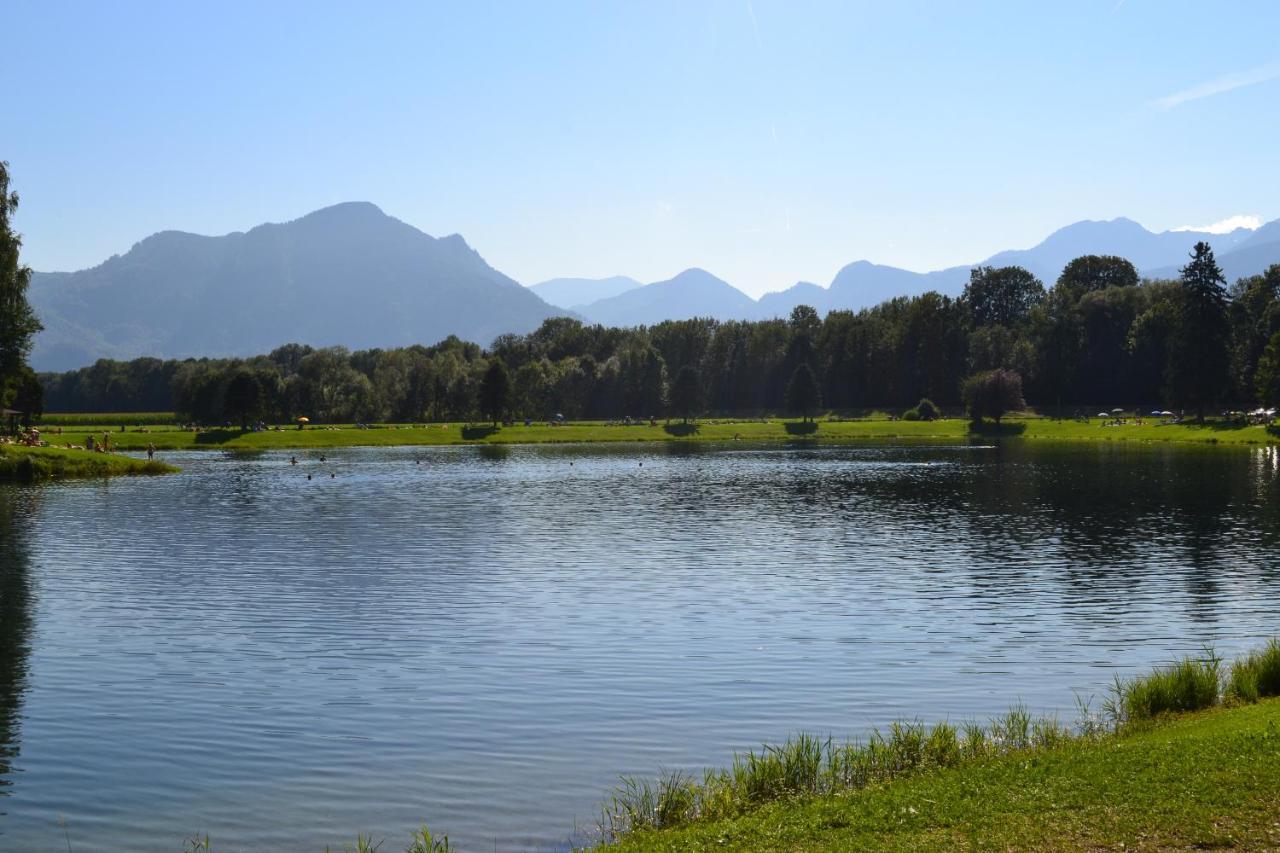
x: 137, y: 437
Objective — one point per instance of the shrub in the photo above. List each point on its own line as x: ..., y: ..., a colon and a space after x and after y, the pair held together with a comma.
x: 1191, y: 684
x: 992, y: 394
x: 1256, y: 676
x: 912, y: 415
x: 927, y: 410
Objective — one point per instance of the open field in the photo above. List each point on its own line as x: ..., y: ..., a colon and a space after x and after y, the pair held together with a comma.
x: 168, y: 437
x: 49, y: 463
x: 105, y: 419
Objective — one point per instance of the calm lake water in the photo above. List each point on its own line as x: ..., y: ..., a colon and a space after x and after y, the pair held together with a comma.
x: 485, y: 638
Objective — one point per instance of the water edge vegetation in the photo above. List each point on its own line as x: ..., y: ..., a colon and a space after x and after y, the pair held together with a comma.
x: 29, y: 464
x: 1184, y: 757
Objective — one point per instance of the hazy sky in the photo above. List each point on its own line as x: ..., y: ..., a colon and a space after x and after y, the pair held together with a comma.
x: 765, y: 141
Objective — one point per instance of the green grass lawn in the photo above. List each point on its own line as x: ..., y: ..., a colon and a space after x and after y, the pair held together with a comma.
x: 1205, y: 780
x: 50, y: 463
x: 167, y: 437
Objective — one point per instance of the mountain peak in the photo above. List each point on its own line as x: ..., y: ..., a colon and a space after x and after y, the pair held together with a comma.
x: 347, y: 274
x: 1121, y: 226
x: 346, y: 210
x: 696, y: 275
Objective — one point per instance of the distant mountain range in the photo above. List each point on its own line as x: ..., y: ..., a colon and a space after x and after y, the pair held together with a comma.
x: 862, y: 284
x: 351, y: 275
x: 347, y: 274
x: 572, y: 292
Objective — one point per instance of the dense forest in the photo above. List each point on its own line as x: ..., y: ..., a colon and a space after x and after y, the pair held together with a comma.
x: 1099, y: 335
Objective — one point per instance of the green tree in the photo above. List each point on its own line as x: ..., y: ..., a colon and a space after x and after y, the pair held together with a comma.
x: 1198, y: 358
x: 644, y: 377
x: 243, y: 398
x: 686, y: 393
x: 18, y: 323
x: 1088, y: 273
x: 27, y: 395
x: 1001, y: 296
x: 992, y: 347
x: 803, y: 394
x: 1254, y: 317
x: 993, y: 394
x: 495, y: 390
x: 804, y: 326
x: 1268, y: 373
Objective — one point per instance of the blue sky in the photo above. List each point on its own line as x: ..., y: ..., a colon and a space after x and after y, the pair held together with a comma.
x: 765, y: 141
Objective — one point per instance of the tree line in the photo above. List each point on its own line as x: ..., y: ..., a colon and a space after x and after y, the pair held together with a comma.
x: 1099, y: 334
x: 19, y: 387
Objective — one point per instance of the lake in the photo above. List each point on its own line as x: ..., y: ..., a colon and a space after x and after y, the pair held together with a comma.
x: 484, y: 638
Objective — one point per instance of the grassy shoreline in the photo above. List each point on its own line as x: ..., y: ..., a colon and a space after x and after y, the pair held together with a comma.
x: 1183, y: 757
x: 1201, y: 780
x: 27, y: 464
x: 876, y: 430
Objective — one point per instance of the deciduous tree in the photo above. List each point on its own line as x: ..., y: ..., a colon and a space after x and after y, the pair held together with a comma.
x: 993, y: 394
x: 495, y: 390
x: 803, y: 394
x: 18, y: 323
x: 686, y: 393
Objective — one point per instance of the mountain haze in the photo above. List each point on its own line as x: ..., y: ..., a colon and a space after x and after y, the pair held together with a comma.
x: 1252, y: 256
x: 692, y: 293
x: 1157, y: 255
x: 573, y: 293
x: 347, y: 274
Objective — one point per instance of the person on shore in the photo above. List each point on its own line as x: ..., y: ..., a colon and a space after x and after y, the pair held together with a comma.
x: 88, y: 443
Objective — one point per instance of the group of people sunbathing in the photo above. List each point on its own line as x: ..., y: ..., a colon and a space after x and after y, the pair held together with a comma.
x: 26, y: 437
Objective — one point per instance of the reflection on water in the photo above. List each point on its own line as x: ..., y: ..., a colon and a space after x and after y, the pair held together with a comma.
x: 15, y: 624
x: 485, y: 637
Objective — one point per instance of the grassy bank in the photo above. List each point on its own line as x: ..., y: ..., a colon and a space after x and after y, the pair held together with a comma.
x: 50, y: 463
x: 1185, y: 757
x: 1206, y: 780
x: 957, y: 430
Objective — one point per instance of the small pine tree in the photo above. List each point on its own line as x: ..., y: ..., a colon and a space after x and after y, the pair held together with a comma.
x: 1197, y: 370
